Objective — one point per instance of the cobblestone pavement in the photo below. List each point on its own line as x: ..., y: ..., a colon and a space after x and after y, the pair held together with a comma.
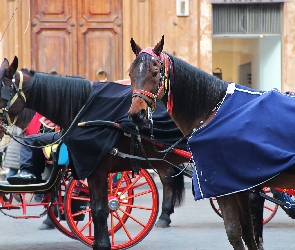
x: 195, y: 226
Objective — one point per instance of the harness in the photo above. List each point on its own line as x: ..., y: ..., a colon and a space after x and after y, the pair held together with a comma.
x: 6, y: 94
x: 165, y: 83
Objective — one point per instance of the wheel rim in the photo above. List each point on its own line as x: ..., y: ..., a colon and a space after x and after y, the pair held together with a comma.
x: 269, y: 210
x: 125, y: 196
x: 59, y: 221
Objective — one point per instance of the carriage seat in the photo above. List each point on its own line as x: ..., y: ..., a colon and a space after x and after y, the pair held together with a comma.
x: 48, y: 152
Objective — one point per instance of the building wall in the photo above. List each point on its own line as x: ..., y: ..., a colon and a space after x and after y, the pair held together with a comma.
x: 288, y: 47
x: 189, y: 38
x: 17, y: 37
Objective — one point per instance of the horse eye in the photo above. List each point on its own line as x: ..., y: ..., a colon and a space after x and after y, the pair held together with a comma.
x: 155, y: 74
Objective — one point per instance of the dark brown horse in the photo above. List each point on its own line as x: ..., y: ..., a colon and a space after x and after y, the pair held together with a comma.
x: 194, y: 100
x: 60, y: 99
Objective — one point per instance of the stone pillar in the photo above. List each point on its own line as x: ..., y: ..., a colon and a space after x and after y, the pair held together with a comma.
x: 288, y: 47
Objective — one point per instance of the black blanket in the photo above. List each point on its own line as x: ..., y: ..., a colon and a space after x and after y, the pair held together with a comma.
x: 110, y: 102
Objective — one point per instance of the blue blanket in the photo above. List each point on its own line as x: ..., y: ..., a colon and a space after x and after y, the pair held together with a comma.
x: 250, y: 140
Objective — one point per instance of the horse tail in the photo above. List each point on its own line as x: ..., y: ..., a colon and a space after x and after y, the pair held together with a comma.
x: 178, y: 189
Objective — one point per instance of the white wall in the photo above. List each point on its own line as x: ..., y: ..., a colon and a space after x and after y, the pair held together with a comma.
x: 263, y: 53
x: 270, y: 63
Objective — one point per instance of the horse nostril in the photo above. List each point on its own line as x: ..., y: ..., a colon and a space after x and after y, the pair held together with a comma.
x: 138, y: 118
x: 142, y: 114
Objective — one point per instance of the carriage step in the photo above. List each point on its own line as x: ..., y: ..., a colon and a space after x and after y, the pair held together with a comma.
x: 10, y: 207
x: 27, y: 217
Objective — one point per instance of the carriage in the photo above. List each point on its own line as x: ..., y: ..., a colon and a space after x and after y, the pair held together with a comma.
x: 120, y: 198
x: 66, y: 202
x: 108, y: 195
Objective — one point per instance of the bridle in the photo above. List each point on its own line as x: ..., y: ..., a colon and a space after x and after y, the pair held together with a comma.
x: 165, y: 82
x: 7, y: 90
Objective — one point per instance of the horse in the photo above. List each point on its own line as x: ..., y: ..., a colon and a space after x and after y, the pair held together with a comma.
x: 201, y: 104
x: 61, y: 99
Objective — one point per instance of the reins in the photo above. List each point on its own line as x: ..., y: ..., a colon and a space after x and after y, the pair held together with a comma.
x: 55, y: 142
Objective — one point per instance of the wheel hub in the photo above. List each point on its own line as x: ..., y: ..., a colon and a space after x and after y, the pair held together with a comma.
x: 113, y: 203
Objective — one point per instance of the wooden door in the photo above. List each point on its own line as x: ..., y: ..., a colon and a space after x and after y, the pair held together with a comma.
x: 54, y: 36
x: 77, y: 37
x: 100, y: 39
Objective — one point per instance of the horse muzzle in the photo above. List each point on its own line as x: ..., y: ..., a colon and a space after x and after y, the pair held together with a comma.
x: 139, y: 118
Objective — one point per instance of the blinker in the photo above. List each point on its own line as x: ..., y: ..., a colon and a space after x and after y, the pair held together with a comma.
x: 6, y: 93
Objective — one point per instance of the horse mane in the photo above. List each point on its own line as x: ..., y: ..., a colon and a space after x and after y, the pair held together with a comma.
x: 195, y: 86
x: 190, y: 85
x: 59, y: 98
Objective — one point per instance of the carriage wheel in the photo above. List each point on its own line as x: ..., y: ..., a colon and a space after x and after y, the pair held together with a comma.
x: 136, y: 194
x: 269, y: 211
x: 270, y: 208
x: 56, y: 211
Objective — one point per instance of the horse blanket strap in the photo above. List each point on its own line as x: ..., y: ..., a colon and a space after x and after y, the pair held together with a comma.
x: 234, y: 151
x: 134, y: 150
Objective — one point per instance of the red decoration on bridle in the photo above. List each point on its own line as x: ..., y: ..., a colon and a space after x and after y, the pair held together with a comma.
x: 150, y: 51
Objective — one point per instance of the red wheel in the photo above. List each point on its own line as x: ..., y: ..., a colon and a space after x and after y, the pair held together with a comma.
x: 56, y: 211
x: 137, y: 194
x: 270, y: 208
x: 214, y: 205
x: 269, y: 211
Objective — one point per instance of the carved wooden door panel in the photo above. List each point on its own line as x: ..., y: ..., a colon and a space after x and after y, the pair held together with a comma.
x: 54, y: 36
x: 100, y: 39
x: 78, y: 37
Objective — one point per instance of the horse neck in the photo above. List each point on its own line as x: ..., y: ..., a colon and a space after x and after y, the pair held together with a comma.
x: 195, y: 94
x: 52, y: 103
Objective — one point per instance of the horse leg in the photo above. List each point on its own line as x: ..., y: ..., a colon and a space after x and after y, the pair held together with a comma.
x: 230, y: 212
x: 98, y: 187
x: 173, y: 191
x: 246, y: 220
x: 257, y: 206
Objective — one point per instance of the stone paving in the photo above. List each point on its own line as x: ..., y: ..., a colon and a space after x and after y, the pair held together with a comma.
x: 195, y: 226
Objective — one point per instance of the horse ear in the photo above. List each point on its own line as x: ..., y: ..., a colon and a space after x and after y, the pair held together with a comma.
x: 4, y: 64
x: 10, y: 71
x: 15, y: 62
x: 135, y: 48
x: 159, y: 47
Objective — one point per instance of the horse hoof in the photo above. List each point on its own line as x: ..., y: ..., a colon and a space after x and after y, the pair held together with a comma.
x: 47, y: 224
x: 162, y: 224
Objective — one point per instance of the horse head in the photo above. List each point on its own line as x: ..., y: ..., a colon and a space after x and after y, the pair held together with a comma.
x: 12, y: 100
x: 148, y: 76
